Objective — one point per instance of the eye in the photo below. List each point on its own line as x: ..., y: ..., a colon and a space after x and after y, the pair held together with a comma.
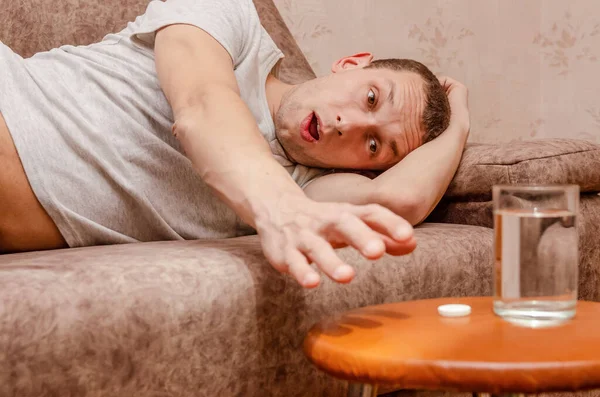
x: 373, y: 145
x: 371, y: 98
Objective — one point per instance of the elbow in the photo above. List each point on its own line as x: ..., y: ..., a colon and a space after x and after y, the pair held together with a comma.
x: 409, y: 205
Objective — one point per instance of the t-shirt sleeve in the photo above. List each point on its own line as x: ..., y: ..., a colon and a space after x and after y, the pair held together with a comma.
x: 304, y: 175
x: 227, y: 21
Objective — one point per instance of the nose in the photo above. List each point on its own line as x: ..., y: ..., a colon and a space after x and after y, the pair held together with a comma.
x: 352, y: 123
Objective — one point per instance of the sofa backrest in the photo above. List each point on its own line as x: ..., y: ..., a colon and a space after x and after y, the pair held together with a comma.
x: 30, y: 26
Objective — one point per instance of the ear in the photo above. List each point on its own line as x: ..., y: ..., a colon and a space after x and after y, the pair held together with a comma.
x: 355, y: 61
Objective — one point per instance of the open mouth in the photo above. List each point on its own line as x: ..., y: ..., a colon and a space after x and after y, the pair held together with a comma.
x: 313, y: 127
x: 310, y: 129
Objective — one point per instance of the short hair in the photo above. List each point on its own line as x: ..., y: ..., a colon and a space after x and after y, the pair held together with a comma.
x: 436, y: 115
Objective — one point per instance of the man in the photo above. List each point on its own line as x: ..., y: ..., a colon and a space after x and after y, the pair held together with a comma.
x: 177, y: 128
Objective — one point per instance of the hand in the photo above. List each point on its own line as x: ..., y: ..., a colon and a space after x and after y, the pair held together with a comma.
x: 458, y: 96
x: 301, y: 231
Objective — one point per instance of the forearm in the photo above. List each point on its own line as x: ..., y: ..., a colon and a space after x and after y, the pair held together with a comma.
x: 413, y: 187
x: 231, y: 155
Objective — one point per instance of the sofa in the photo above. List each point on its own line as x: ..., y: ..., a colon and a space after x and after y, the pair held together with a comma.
x: 200, y: 318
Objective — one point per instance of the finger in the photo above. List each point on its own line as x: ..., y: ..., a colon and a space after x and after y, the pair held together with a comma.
x: 447, y: 80
x: 324, y: 256
x: 301, y: 270
x: 447, y: 83
x: 396, y: 248
x: 386, y: 222
x: 357, y: 234
x: 272, y: 247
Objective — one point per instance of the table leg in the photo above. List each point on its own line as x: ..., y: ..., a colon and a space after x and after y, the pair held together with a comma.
x: 361, y: 390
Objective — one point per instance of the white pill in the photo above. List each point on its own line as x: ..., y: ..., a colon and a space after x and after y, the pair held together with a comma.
x: 454, y: 310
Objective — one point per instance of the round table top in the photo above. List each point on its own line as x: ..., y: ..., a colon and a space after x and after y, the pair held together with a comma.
x: 409, y: 345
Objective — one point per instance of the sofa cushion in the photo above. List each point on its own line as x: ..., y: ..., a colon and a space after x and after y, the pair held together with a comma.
x: 30, y: 26
x: 547, y: 161
x: 199, y: 318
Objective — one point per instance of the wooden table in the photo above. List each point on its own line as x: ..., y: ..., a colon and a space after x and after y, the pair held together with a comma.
x: 409, y: 345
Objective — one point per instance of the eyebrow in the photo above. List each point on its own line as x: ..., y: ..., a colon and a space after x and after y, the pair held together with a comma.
x: 391, y: 90
x: 394, y: 146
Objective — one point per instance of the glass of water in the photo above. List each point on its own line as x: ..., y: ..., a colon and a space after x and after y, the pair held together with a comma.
x: 536, y: 251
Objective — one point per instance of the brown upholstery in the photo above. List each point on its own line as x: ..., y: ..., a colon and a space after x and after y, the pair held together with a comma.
x: 563, y: 161
x: 410, y: 345
x: 30, y: 26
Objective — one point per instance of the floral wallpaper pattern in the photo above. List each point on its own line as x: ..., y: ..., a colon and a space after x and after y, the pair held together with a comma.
x: 566, y: 42
x: 531, y: 66
x: 439, y: 43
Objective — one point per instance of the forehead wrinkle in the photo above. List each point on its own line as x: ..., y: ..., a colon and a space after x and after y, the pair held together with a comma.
x: 414, y: 91
x: 409, y: 102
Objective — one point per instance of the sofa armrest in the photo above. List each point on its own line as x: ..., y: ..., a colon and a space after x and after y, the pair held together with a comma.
x: 195, y: 318
x: 546, y: 161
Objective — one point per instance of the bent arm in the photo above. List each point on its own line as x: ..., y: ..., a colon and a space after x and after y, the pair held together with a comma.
x: 413, y: 187
x: 230, y: 154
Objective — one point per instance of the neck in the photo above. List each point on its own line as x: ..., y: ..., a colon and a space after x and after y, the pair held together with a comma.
x: 276, y: 90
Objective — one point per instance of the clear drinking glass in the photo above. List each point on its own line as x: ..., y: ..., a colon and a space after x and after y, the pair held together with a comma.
x: 536, y: 251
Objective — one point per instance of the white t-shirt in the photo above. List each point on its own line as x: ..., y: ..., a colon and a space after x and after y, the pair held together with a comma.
x: 93, y: 128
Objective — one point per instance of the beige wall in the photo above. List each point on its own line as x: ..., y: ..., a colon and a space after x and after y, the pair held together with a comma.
x: 531, y: 65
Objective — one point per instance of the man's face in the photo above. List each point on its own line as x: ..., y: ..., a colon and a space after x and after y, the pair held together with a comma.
x: 355, y: 118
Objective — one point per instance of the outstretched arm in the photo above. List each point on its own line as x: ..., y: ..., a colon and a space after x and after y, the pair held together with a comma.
x: 413, y: 187
x: 220, y: 137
